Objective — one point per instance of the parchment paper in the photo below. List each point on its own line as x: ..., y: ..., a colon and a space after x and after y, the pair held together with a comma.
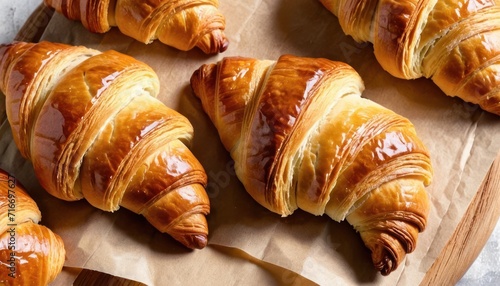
x: 249, y: 245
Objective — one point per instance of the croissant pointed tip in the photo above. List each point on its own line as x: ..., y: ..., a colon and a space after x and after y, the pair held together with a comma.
x: 196, y: 235
x: 224, y: 46
x: 384, y: 260
x: 199, y: 241
x: 385, y: 267
x: 213, y: 42
x: 194, y: 241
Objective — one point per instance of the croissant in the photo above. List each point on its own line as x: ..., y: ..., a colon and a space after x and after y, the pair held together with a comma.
x: 90, y: 123
x: 31, y: 254
x: 302, y: 137
x: 454, y: 43
x: 183, y: 24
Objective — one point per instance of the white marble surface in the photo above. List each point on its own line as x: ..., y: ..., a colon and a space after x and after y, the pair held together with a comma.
x: 13, y: 14
x: 484, y: 271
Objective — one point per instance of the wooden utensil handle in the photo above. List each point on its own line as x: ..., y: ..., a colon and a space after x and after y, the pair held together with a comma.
x: 471, y: 234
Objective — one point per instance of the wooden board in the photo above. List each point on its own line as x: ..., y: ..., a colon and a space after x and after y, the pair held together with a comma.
x: 471, y: 234
x: 457, y: 256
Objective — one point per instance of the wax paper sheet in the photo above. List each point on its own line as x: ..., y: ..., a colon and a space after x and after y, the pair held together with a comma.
x: 249, y: 245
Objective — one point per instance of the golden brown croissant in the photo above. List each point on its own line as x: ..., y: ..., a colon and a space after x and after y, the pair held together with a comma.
x: 93, y: 128
x: 30, y: 254
x: 302, y: 137
x: 182, y: 24
x: 455, y: 43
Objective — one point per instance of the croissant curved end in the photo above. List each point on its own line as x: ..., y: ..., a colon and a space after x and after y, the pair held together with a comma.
x: 194, y: 241
x: 383, y: 261
x: 213, y: 42
x: 192, y: 232
x: 385, y: 266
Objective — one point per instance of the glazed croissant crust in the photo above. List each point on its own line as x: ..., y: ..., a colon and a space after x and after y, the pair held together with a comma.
x: 455, y: 43
x: 31, y: 254
x: 183, y: 24
x: 302, y: 137
x: 93, y: 128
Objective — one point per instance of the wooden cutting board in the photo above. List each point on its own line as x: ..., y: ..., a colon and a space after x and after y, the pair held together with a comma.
x: 457, y: 256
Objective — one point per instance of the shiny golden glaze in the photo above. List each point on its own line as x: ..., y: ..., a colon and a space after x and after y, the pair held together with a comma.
x: 304, y: 138
x: 98, y: 14
x: 30, y: 254
x: 455, y: 43
x: 445, y: 14
x: 287, y: 96
x: 182, y: 24
x: 37, y: 259
x: 70, y: 9
x: 23, y: 72
x: 105, y: 158
x: 19, y: 81
x: 239, y: 79
x: 25, y: 207
x: 174, y: 170
x: 72, y: 117
x: 99, y: 133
